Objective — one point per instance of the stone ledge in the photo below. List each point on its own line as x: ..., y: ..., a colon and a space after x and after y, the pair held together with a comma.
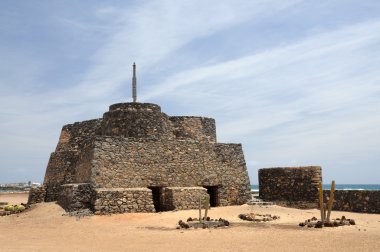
x: 122, y: 189
x: 186, y: 188
x: 290, y: 168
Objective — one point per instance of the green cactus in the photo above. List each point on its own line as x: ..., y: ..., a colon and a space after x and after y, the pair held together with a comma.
x: 19, y: 208
x: 200, y: 210
x: 9, y: 208
x: 207, y: 205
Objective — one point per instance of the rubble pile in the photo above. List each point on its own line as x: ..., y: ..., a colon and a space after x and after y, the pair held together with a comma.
x: 79, y: 213
x: 203, y: 223
x: 314, y: 222
x: 258, y: 217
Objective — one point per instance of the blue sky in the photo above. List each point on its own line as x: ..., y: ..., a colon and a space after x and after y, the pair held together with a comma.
x: 296, y: 82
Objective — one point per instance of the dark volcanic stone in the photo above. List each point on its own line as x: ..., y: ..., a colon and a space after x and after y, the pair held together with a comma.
x: 329, y: 224
x: 319, y: 224
x: 297, y: 186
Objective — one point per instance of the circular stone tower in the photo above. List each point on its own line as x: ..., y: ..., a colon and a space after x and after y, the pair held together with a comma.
x: 136, y: 120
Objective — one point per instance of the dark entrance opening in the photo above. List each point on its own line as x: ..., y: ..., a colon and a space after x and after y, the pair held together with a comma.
x: 213, y: 192
x: 156, y: 193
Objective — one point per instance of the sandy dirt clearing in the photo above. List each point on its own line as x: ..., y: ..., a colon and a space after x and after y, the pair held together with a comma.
x: 44, y: 228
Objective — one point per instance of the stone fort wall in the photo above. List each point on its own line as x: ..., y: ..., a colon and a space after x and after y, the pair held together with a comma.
x: 135, y: 145
x: 122, y: 200
x: 145, y: 120
x: 362, y: 201
x: 291, y: 186
x: 118, y: 162
x: 61, y: 168
x: 298, y: 187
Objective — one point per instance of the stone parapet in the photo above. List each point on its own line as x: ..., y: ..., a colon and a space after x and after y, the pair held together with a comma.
x: 362, y: 201
x: 200, y: 129
x: 136, y: 106
x: 290, y: 184
x: 73, y: 136
x: 136, y: 120
x: 123, y: 200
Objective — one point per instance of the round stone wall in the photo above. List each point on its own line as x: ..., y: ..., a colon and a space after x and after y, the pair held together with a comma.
x: 291, y: 184
x: 136, y: 120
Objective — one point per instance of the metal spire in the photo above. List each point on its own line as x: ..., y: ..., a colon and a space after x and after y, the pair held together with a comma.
x: 134, y: 83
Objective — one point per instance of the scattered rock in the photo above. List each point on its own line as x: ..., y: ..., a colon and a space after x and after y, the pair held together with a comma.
x: 319, y: 224
x: 258, y: 217
x: 205, y: 223
x: 313, y: 222
x: 79, y: 214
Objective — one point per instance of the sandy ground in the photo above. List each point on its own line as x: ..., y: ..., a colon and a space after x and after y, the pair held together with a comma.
x: 14, y: 198
x: 43, y: 228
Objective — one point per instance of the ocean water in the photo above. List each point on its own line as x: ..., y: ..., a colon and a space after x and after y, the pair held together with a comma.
x: 7, y: 190
x: 255, y: 188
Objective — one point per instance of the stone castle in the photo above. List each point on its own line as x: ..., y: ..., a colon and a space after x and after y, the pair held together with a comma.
x: 138, y: 159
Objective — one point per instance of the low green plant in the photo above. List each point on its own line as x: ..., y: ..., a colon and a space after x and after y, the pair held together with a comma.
x: 19, y: 208
x: 9, y: 208
x: 207, y: 205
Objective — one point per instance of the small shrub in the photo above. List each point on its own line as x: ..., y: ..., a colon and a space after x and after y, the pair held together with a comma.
x: 9, y: 208
x: 19, y: 208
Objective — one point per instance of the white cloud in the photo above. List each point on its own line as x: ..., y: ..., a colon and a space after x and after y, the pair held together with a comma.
x: 305, y: 101
x: 156, y: 30
x: 313, y: 100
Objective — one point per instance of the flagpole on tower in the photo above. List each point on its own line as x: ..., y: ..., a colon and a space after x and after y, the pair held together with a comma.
x: 134, y: 96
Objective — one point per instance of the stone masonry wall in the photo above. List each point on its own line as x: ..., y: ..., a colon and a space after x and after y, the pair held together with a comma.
x: 61, y: 167
x: 120, y: 163
x: 145, y: 120
x: 135, y: 145
x: 36, y: 195
x: 362, y: 201
x: 182, y: 198
x: 74, y: 197
x: 84, y: 163
x: 201, y: 129
x: 136, y: 120
x: 290, y: 185
x: 73, y: 136
x: 60, y: 170
x: 123, y: 200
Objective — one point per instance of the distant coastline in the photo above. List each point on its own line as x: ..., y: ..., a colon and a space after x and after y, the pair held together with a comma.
x: 13, y: 190
x: 255, y: 188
